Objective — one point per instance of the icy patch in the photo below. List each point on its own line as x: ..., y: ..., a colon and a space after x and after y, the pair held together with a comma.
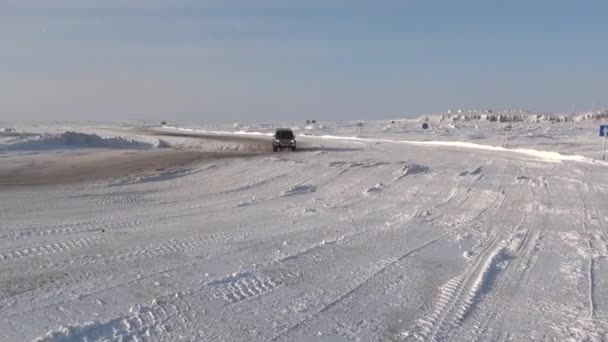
x: 75, y: 139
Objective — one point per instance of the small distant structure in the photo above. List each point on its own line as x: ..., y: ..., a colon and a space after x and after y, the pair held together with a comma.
x: 359, y: 126
x: 314, y: 121
x: 308, y: 122
x: 393, y: 122
x: 163, y: 123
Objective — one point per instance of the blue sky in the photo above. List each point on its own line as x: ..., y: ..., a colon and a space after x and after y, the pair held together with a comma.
x: 230, y: 60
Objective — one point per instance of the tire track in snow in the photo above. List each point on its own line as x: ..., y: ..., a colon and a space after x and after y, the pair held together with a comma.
x: 31, y: 231
x: 401, y: 221
x: 598, y: 216
x: 79, y: 268
x: 592, y: 292
x: 383, y: 266
x: 170, y: 316
x: 155, y: 322
x: 485, y: 322
x: 459, y: 295
x: 172, y: 246
x: 246, y: 285
x: 597, y: 243
x: 522, y: 254
x: 126, y: 198
x: 601, y: 288
x: 592, y: 237
x: 149, y: 252
x: 55, y: 247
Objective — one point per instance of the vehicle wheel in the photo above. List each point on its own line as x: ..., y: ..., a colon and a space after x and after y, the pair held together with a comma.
x: 274, y: 148
x: 293, y: 148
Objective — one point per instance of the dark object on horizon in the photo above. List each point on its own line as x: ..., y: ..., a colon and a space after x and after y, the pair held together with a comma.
x: 314, y: 121
x: 425, y: 125
x: 308, y: 122
x: 393, y: 121
x: 163, y: 123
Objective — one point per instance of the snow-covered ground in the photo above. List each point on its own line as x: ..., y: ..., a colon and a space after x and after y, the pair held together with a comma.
x: 378, y: 231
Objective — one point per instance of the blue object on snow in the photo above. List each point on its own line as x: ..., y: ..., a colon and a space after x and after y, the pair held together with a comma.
x: 603, y: 130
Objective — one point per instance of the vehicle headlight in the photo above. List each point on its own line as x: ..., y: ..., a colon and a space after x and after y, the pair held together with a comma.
x: 292, y: 141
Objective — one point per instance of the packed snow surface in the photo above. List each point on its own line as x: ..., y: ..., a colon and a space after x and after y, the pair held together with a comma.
x: 372, y: 231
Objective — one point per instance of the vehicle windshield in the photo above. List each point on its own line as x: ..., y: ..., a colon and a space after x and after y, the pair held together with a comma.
x: 284, y: 135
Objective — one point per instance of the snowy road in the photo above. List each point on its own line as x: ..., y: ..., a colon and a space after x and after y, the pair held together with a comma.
x: 351, y: 240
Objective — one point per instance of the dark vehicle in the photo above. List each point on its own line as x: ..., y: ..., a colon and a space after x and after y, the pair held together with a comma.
x: 283, y: 138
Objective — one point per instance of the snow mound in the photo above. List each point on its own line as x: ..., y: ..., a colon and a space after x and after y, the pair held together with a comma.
x: 376, y: 188
x: 83, y: 140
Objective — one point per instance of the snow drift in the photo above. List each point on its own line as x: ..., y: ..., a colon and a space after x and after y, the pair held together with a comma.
x: 82, y: 140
